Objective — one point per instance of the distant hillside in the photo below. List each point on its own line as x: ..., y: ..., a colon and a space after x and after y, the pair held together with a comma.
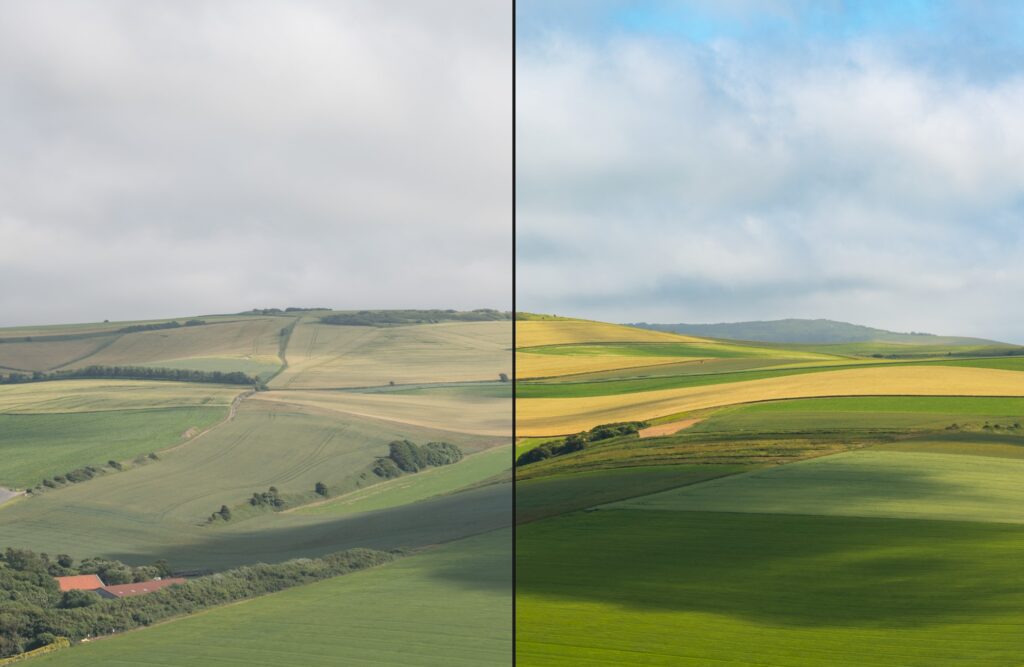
x: 809, y: 331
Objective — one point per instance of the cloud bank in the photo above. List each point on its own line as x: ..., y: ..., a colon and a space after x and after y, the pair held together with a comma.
x: 175, y: 157
x: 667, y: 177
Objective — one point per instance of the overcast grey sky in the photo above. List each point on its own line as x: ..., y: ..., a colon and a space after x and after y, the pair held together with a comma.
x: 697, y: 161
x: 164, y: 158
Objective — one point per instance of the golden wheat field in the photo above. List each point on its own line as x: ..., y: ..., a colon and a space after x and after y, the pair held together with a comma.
x: 565, y: 332
x: 442, y: 410
x: 101, y: 395
x: 557, y: 416
x: 251, y: 339
x: 327, y: 355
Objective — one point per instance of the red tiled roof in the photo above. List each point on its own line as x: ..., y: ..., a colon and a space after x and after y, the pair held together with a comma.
x: 128, y: 590
x: 80, y: 582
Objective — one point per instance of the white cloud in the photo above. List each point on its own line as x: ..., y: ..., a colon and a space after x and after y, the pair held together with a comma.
x: 722, y: 182
x: 186, y: 156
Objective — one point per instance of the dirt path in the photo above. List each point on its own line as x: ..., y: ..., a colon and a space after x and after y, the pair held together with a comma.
x: 232, y: 411
x: 7, y: 494
x: 669, y: 428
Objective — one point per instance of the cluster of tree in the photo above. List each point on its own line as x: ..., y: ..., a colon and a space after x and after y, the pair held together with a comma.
x: 34, y: 611
x: 268, y: 498
x: 135, y: 373
x: 405, y: 456
x: 223, y: 514
x: 375, y: 318
x: 86, y: 473
x: 578, y: 441
x: 157, y: 326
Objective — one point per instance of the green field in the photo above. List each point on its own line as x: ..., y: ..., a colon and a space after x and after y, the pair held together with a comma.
x: 412, y: 488
x: 899, y: 484
x: 451, y: 605
x: 705, y: 588
x: 37, y: 446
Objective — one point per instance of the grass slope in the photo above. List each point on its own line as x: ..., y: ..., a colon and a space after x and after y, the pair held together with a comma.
x: 37, y: 446
x: 448, y: 606
x: 413, y: 488
x: 914, y: 485
x: 699, y: 588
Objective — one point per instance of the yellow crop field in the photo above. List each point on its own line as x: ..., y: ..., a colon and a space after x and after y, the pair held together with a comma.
x: 551, y: 365
x: 556, y: 416
x: 249, y: 339
x: 563, y: 332
x: 326, y: 355
x: 45, y: 355
x: 101, y: 395
x: 448, y: 411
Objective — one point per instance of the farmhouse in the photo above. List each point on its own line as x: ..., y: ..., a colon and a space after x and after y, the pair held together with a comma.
x: 80, y: 582
x: 140, y: 588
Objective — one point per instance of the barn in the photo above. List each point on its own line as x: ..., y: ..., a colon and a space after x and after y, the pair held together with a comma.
x: 140, y: 588
x: 80, y: 582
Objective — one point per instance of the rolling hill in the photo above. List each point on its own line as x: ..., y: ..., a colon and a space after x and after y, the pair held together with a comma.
x: 690, y: 500
x: 294, y: 458
x: 810, y: 331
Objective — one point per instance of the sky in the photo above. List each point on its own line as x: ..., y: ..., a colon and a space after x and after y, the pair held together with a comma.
x: 176, y: 157
x: 731, y: 160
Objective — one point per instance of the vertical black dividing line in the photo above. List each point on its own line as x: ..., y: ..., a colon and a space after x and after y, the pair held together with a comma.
x: 514, y: 375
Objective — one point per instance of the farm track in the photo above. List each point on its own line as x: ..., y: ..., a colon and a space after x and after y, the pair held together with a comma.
x: 102, y: 346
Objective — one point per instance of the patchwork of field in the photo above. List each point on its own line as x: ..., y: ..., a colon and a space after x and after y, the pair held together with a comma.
x: 451, y: 605
x: 39, y: 446
x: 551, y: 416
x: 325, y: 355
x: 107, y: 395
x: 848, y: 509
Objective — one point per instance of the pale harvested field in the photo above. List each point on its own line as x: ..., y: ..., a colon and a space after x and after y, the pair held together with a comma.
x: 250, y: 339
x: 668, y: 429
x: 563, y: 332
x: 556, y: 416
x: 102, y: 395
x: 554, y: 365
x: 45, y: 355
x: 325, y: 355
x: 476, y: 415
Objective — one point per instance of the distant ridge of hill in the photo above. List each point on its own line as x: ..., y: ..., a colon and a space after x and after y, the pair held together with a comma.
x: 820, y: 331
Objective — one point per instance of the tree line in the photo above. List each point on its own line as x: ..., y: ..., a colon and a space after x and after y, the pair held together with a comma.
x: 578, y: 441
x: 134, y: 373
x: 34, y: 612
x: 374, y: 318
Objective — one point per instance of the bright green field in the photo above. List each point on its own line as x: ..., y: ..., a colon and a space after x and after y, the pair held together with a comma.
x: 558, y: 494
x: 448, y: 606
x: 700, y: 588
x: 34, y: 447
x: 422, y: 485
x: 160, y: 510
x: 874, y: 482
